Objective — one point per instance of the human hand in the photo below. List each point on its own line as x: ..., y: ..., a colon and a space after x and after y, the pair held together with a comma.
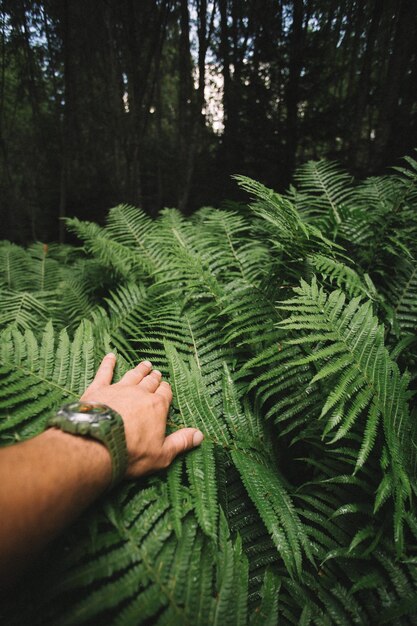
x: 143, y: 400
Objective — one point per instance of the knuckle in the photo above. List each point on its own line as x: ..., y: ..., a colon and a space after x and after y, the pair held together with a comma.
x: 183, y: 442
x: 158, y: 402
x: 167, y: 389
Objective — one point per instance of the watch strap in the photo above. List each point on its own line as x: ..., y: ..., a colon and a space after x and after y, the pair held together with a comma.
x: 115, y: 441
x: 111, y: 433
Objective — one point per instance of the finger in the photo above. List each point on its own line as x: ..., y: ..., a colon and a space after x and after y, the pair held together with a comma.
x: 151, y: 382
x: 135, y: 375
x: 164, y: 390
x: 105, y: 371
x: 180, y: 441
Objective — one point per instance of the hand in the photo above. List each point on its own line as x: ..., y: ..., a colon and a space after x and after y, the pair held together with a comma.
x: 142, y: 399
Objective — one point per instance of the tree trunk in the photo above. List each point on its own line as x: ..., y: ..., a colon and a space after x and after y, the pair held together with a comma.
x: 185, y: 98
x: 363, y: 90
x: 67, y: 119
x: 296, y: 48
x: 114, y: 81
x: 228, y: 108
x: 145, y: 34
x: 402, y: 50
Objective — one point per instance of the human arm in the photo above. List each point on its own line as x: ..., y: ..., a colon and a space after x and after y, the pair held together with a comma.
x: 47, y: 481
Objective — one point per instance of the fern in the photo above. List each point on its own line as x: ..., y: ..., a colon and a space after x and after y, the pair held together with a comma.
x: 287, y: 331
x: 37, y: 377
x: 345, y: 277
x: 13, y: 264
x: 401, y: 296
x: 366, y: 384
x: 21, y: 309
x: 326, y: 194
x: 276, y: 510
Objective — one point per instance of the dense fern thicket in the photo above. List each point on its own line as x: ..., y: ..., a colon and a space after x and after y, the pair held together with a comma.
x: 287, y: 329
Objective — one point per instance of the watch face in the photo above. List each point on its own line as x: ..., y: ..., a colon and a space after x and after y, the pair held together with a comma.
x: 88, y: 417
x: 88, y: 412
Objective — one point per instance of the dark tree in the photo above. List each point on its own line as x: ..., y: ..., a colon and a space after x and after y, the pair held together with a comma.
x: 102, y: 103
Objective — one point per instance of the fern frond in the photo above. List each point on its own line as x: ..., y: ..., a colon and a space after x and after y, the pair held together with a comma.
x: 97, y: 241
x: 133, y: 229
x: 249, y: 316
x: 75, y: 303
x: 326, y: 193
x: 22, y: 310
x: 283, y: 391
x: 37, y: 378
x: 44, y: 272
x: 350, y: 329
x: 401, y: 294
x: 13, y: 266
x: 408, y: 176
x: 274, y: 208
x: 201, y: 471
x: 276, y: 510
x: 232, y: 253
x: 369, y: 384
x: 267, y: 613
x: 345, y: 277
x: 244, y: 425
x: 193, y: 400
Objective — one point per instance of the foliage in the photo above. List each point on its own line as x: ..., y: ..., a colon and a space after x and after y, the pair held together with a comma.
x: 288, y: 332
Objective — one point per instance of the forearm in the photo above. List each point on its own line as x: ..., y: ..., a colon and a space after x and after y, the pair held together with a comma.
x: 37, y: 504
x: 47, y: 481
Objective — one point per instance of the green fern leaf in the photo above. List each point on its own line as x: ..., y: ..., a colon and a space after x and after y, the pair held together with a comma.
x: 276, y: 510
x: 201, y: 470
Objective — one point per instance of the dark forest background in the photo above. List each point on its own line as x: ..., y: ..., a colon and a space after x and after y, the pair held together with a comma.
x: 157, y: 102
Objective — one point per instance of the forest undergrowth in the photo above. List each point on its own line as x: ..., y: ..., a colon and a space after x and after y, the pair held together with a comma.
x: 288, y: 331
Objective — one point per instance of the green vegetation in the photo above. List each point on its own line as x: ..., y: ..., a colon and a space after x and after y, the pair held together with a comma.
x: 287, y: 329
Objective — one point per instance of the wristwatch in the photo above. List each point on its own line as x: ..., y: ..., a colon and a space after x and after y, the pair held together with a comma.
x: 98, y: 421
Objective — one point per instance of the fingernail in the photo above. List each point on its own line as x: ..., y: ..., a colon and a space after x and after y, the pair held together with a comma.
x: 111, y: 354
x: 147, y: 363
x: 197, y: 438
x: 157, y: 372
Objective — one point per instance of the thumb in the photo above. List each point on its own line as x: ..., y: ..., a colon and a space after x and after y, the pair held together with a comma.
x: 180, y: 441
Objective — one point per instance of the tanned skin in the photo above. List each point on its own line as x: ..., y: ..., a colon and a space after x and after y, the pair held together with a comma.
x: 47, y: 481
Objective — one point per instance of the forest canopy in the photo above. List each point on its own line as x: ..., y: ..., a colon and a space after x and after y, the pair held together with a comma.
x: 157, y: 103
